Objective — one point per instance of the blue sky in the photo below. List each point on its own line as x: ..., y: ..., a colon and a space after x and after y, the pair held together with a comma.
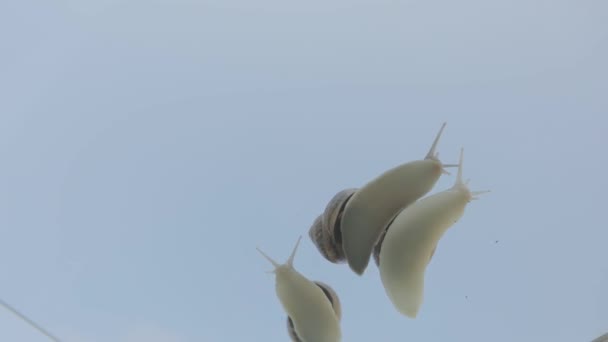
x: 149, y: 146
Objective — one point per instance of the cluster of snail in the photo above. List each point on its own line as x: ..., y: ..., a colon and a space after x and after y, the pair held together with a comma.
x: 387, y: 218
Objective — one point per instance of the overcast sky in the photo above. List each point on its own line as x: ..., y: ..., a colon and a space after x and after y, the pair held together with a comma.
x: 148, y: 147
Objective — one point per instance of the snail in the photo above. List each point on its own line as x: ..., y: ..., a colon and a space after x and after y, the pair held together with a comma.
x: 355, y: 219
x: 412, y: 239
x: 313, y: 309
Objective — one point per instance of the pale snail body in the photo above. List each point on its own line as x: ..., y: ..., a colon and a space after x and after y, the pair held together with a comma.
x: 306, y: 304
x: 411, y: 241
x: 378, y: 247
x: 372, y: 207
x: 355, y: 220
x: 331, y: 296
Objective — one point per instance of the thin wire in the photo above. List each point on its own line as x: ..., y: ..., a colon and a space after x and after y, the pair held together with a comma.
x: 28, y: 321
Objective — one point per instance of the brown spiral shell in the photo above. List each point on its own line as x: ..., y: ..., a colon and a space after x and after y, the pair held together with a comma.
x: 325, y: 232
x: 331, y: 295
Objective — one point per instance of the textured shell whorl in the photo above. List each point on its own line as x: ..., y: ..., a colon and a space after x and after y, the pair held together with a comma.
x: 333, y: 299
x: 325, y: 232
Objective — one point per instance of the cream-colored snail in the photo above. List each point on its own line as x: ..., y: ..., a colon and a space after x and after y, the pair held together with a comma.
x: 355, y: 220
x: 313, y: 308
x: 411, y: 240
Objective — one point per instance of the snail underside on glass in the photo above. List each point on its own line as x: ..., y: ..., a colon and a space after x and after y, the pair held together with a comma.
x: 333, y: 299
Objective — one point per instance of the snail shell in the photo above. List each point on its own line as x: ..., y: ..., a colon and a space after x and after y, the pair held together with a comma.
x: 326, y: 233
x: 335, y: 303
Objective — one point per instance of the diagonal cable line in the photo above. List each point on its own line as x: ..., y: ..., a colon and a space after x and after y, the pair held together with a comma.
x: 28, y: 321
